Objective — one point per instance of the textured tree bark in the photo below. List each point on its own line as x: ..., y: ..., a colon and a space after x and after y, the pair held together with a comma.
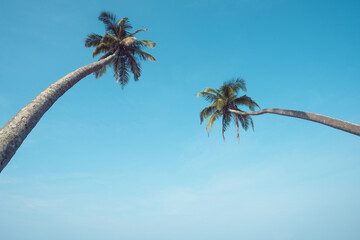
x: 16, y: 130
x: 332, y: 122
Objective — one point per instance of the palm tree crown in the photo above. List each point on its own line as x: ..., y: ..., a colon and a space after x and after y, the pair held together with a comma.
x: 224, y: 99
x: 120, y: 42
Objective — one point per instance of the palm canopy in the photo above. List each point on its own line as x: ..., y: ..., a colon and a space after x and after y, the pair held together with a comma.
x: 222, y: 100
x: 126, y: 47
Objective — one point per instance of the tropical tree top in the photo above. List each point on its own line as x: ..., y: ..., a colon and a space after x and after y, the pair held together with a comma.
x: 224, y: 99
x: 127, y: 49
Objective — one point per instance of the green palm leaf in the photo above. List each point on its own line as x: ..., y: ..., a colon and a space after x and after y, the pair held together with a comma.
x: 224, y: 99
x: 134, y: 65
x: 93, y: 40
x: 212, y: 120
x: 208, y: 96
x: 144, y: 55
x: 109, y: 20
x: 246, y: 101
x: 137, y: 31
x: 121, y: 71
x: 127, y: 41
x: 109, y: 39
x: 148, y: 43
x: 122, y: 26
x: 226, y: 120
x: 117, y: 41
x: 207, y: 112
x: 101, y: 48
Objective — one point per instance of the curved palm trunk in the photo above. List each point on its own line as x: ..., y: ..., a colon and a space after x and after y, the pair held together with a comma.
x: 332, y: 122
x: 16, y: 130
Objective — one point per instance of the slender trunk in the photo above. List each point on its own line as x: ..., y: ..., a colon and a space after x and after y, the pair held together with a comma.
x: 332, y: 122
x: 16, y: 130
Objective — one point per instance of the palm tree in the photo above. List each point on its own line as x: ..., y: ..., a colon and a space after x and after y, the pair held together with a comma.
x: 121, y: 44
x: 121, y: 50
x: 222, y: 101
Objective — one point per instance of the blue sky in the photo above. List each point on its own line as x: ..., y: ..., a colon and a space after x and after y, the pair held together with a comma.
x: 107, y: 163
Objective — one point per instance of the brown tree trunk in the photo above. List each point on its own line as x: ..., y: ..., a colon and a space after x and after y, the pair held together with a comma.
x: 16, y: 130
x: 332, y: 122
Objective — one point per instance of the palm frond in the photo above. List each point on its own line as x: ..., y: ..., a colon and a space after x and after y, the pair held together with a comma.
x: 120, y: 71
x: 109, y: 20
x: 118, y: 41
x: 233, y: 86
x: 251, y: 122
x: 212, y: 120
x: 246, y: 101
x: 137, y: 31
x: 127, y: 41
x: 222, y: 100
x: 210, y: 90
x: 226, y: 91
x: 109, y: 39
x: 143, y: 55
x: 122, y: 26
x: 225, y: 123
x: 210, y: 97
x: 148, y: 43
x: 220, y: 103
x: 101, y: 48
x: 135, y: 66
x: 238, y: 84
x: 244, y: 122
x: 93, y: 40
x: 206, y: 112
